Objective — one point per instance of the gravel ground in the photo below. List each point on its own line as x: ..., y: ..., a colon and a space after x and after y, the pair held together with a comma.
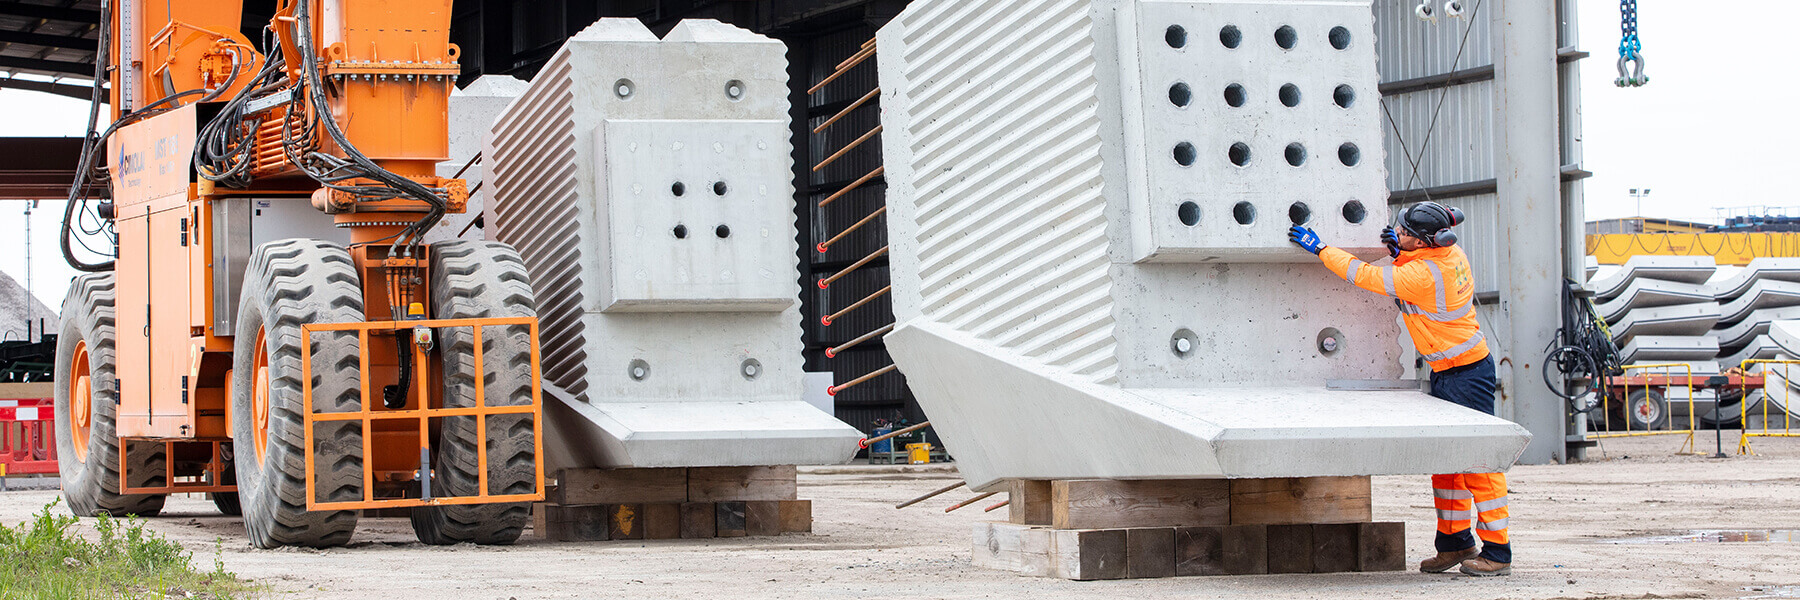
x: 1600, y: 529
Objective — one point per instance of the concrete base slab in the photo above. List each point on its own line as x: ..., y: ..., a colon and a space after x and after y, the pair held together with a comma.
x: 691, y: 434
x: 1008, y: 421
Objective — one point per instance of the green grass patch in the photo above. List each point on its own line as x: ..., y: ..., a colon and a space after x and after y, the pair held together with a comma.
x: 47, y: 557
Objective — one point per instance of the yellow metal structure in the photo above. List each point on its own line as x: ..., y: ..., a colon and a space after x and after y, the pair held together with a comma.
x: 1726, y: 248
x: 1787, y: 419
x: 1669, y: 375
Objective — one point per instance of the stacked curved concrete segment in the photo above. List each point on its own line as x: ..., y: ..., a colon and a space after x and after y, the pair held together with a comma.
x: 1089, y: 285
x: 648, y: 185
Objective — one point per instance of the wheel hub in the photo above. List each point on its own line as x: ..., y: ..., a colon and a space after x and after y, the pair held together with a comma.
x: 81, y: 401
x: 259, y: 397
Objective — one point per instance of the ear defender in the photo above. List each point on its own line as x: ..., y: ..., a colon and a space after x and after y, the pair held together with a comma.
x: 1443, y: 238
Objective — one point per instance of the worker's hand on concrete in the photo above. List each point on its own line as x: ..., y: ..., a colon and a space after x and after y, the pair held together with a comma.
x: 1391, y: 240
x: 1306, y: 238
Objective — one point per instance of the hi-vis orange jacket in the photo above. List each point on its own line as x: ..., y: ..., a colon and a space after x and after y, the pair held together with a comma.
x: 1437, y: 299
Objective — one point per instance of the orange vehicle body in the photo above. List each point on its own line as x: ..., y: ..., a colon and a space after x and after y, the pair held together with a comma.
x: 390, y: 67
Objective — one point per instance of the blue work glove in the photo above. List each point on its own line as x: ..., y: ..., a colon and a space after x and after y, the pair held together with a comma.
x: 1391, y: 240
x: 1305, y: 238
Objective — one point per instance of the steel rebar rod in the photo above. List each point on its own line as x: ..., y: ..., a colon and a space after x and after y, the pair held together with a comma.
x: 826, y: 282
x: 855, y: 59
x: 864, y: 443
x: 930, y: 495
x: 879, y: 171
x: 997, y: 506
x: 853, y: 106
x: 833, y: 351
x: 847, y: 148
x: 833, y: 390
x: 970, y: 501
x: 853, y: 306
x: 826, y: 245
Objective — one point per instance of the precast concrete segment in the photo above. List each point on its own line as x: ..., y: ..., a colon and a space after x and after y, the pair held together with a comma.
x: 1734, y: 337
x: 1762, y: 347
x: 1087, y: 204
x: 472, y: 111
x: 1681, y: 319
x: 1762, y: 294
x: 1685, y: 269
x: 648, y: 185
x: 1670, y: 348
x: 1645, y: 293
x: 1760, y: 269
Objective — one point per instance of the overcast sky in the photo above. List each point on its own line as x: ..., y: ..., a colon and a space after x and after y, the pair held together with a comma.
x: 1715, y: 128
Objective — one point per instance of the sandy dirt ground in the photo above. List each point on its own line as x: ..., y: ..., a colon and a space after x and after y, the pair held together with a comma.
x: 1578, y: 531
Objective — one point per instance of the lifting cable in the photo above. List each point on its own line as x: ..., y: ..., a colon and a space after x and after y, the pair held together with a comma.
x: 1454, y: 8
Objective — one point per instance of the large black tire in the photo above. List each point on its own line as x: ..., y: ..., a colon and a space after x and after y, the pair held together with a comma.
x: 227, y: 502
x: 474, y: 279
x: 1643, y: 410
x: 290, y: 283
x: 91, y: 486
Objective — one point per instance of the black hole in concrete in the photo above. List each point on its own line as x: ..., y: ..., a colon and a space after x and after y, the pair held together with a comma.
x: 1189, y: 213
x: 1240, y: 154
x: 1230, y: 36
x: 719, y: 188
x: 1349, y: 154
x: 1180, y: 94
x: 1244, y: 212
x: 1354, y: 211
x: 681, y: 232
x: 722, y: 231
x: 1299, y: 213
x: 1286, y: 37
x: 1340, y: 38
x: 1234, y: 95
x: 678, y: 189
x: 734, y: 90
x: 1184, y: 154
x: 1296, y: 154
x: 1175, y: 36
x: 1344, y: 96
x: 1290, y: 95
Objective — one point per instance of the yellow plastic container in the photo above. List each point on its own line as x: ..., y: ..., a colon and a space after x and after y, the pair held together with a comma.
x: 918, y: 454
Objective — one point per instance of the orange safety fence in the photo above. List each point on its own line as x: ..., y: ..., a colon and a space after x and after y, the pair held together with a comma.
x: 371, y: 411
x: 1650, y: 378
x: 27, y: 437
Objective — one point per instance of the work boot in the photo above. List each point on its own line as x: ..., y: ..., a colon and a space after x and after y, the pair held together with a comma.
x: 1481, y: 567
x: 1444, y: 560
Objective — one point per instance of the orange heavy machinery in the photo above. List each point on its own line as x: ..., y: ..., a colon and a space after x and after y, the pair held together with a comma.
x: 272, y: 329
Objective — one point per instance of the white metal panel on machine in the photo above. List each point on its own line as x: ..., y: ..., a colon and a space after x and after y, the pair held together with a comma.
x: 648, y: 185
x: 1063, y: 315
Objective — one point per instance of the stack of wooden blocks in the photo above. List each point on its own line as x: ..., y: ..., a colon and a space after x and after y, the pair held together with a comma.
x: 671, y: 503
x: 1112, y: 529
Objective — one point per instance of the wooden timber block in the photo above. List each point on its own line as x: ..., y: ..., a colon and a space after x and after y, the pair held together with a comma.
x: 737, y: 484
x: 698, y: 520
x: 1296, y: 500
x: 1021, y: 549
x: 762, y: 517
x: 625, y: 522
x: 1150, y: 552
x: 1230, y: 550
x: 621, y: 486
x: 1117, y: 504
x: 538, y: 525
x: 730, y: 517
x: 661, y: 521
x: 796, y: 516
x: 1381, y: 546
x: 1290, y: 549
x: 1088, y: 554
x: 1028, y: 501
x: 1335, y: 547
x: 575, y: 523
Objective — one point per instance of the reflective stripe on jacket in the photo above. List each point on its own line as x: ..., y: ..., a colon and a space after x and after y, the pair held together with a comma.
x: 1436, y: 294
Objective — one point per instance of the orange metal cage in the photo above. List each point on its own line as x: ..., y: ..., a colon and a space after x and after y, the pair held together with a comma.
x: 210, y: 480
x: 368, y: 415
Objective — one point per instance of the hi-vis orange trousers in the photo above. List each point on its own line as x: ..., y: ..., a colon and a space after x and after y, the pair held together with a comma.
x: 1472, y: 497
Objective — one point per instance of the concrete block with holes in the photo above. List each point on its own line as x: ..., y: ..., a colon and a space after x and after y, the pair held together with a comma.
x: 1088, y: 205
x: 648, y: 184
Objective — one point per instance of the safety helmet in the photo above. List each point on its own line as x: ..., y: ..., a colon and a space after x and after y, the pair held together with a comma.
x: 1431, y: 223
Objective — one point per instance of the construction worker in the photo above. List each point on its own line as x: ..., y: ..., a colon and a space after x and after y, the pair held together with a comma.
x: 1431, y: 282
